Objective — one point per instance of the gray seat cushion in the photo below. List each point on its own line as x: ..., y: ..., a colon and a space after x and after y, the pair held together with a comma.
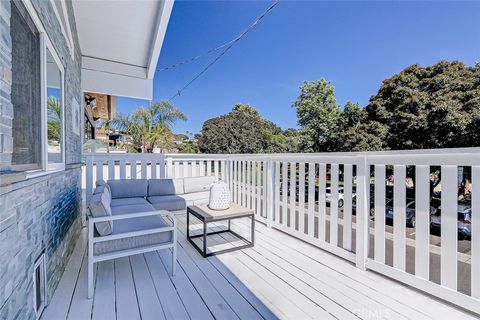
x: 100, y: 207
x: 196, y: 197
x: 131, y: 225
x: 169, y: 203
x: 197, y: 184
x: 128, y: 201
x: 132, y: 208
x: 128, y: 188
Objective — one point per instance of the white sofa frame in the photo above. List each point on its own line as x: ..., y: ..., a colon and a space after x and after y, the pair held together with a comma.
x: 92, y: 259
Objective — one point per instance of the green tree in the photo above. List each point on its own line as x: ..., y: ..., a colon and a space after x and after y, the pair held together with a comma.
x: 428, y: 107
x: 151, y: 127
x: 318, y: 115
x: 243, y: 130
x: 54, y: 116
x: 351, y: 114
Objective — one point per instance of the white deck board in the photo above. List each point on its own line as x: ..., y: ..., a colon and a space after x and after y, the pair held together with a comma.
x: 150, y: 307
x: 281, y: 277
x: 125, y: 295
x: 172, y: 305
x: 104, y: 299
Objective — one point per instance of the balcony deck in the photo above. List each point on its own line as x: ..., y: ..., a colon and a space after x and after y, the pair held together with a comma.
x: 281, y: 277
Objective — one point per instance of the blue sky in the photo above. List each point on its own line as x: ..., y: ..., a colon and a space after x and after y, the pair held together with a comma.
x: 354, y: 45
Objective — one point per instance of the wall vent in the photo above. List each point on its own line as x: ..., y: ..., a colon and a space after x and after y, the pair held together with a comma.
x: 39, y: 285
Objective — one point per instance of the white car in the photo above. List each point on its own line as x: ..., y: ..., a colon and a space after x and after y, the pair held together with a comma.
x: 341, y: 196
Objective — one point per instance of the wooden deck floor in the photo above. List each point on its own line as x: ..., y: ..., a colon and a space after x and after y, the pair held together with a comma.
x: 281, y: 277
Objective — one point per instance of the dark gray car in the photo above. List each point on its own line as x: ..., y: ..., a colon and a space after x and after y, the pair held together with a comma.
x: 464, y: 225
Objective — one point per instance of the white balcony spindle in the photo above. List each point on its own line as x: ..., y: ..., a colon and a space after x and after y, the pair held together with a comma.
x: 259, y: 188
x: 111, y: 169
x: 347, y: 206
x: 209, y: 167
x: 362, y: 232
x: 399, y: 217
x: 248, y: 181
x: 176, y: 169
x: 123, y: 174
x: 133, y: 169
x: 201, y: 167
x: 276, y: 196
x: 153, y: 169
x: 215, y: 168
x: 268, y: 192
x: 284, y: 192
x: 322, y: 175
x: 449, y: 231
x: 422, y: 225
x: 244, y: 183
x: 293, y: 210
x: 185, y: 169
x: 89, y: 178
x: 379, y: 207
x: 334, y: 204
x: 475, y: 241
x: 301, y: 198
x: 311, y: 198
x: 99, y: 166
x: 144, y: 169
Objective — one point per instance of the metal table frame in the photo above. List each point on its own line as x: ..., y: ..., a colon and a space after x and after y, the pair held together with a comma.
x: 204, y: 234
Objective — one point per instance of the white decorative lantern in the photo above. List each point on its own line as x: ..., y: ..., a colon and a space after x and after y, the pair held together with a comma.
x: 219, y: 196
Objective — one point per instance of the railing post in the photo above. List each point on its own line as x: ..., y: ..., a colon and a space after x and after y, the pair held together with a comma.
x: 270, y: 198
x: 163, y: 166
x: 169, y: 169
x: 89, y: 178
x: 362, y: 233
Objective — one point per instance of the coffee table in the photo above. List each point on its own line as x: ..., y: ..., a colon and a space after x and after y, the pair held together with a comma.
x: 207, y: 215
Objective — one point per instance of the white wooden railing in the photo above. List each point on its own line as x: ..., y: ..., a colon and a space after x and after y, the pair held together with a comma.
x: 268, y: 184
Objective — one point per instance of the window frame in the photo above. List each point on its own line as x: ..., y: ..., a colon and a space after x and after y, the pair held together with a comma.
x: 49, y: 46
x: 46, y: 44
x: 66, y: 29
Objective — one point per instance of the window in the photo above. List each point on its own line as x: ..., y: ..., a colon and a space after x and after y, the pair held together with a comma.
x: 37, y: 95
x: 39, y: 285
x: 26, y: 90
x: 55, y: 117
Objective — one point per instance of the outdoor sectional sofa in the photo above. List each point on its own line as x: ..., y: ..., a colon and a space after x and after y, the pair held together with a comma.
x: 132, y: 216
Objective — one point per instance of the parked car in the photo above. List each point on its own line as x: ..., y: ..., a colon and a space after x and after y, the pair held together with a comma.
x: 409, y: 212
x: 341, y: 196
x: 464, y: 226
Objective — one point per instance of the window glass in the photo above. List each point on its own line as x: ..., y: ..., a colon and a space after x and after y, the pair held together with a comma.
x: 54, y: 111
x: 26, y: 91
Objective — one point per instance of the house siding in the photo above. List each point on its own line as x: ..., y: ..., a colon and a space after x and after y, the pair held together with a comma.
x: 39, y: 214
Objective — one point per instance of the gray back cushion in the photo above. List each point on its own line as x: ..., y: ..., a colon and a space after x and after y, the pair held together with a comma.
x: 197, y: 184
x: 100, y: 183
x: 165, y: 187
x: 100, y: 207
x: 128, y: 188
x: 101, y: 188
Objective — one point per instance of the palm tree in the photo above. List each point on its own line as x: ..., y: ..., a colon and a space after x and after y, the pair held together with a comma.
x: 54, y: 116
x: 152, y: 126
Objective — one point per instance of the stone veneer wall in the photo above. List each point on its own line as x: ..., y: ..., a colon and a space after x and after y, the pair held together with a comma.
x: 39, y: 214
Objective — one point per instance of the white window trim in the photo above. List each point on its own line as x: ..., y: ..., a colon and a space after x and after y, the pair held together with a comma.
x: 44, y: 44
x: 48, y: 46
x: 66, y: 33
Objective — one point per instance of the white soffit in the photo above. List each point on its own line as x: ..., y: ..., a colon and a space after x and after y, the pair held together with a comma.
x: 120, y: 42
